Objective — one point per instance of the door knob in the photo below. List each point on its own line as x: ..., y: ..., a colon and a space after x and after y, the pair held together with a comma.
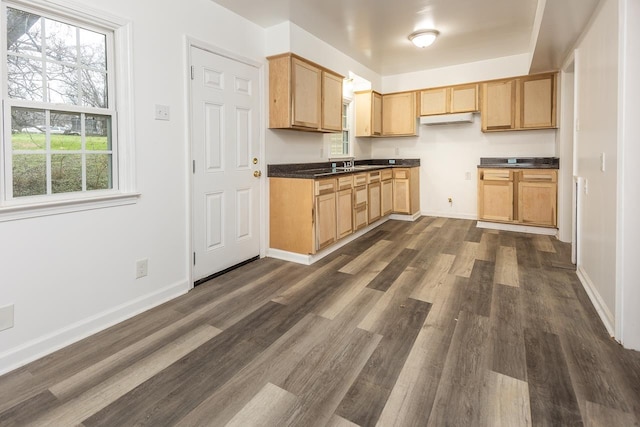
x: 257, y: 174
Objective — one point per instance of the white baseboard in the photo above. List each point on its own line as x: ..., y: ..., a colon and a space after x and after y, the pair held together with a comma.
x: 42, y: 346
x: 450, y: 215
x: 401, y: 217
x: 310, y: 259
x: 519, y: 228
x: 603, y: 311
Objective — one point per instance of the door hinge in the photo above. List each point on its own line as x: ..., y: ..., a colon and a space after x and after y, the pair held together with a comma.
x: 194, y: 258
x: 193, y: 72
x: 194, y: 166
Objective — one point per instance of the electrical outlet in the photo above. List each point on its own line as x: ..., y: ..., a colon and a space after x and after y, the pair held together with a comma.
x: 6, y: 317
x: 397, y: 151
x: 467, y: 176
x: 450, y: 200
x: 162, y: 112
x: 142, y: 268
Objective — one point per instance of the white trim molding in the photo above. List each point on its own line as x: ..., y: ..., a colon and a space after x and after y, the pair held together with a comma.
x: 39, y: 347
x: 598, y: 303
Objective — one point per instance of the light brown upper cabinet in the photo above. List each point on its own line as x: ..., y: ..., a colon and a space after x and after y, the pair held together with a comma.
x: 399, y: 114
x: 527, y: 102
x: 445, y: 100
x: 538, y: 101
x: 368, y: 113
x: 303, y: 95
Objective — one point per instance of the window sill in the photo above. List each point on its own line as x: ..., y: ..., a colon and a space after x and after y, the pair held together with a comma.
x: 33, y: 210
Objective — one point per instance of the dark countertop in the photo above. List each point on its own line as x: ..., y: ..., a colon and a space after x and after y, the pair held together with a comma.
x: 326, y: 169
x: 520, y: 162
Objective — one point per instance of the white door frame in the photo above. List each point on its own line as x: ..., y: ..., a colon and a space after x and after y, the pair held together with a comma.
x: 193, y: 42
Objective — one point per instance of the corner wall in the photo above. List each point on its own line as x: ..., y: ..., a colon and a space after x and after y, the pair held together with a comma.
x: 73, y: 274
x: 597, y: 85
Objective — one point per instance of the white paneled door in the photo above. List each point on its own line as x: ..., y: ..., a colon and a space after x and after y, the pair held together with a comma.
x: 225, y: 105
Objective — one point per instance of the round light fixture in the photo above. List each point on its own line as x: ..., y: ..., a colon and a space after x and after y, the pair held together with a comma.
x: 423, y: 38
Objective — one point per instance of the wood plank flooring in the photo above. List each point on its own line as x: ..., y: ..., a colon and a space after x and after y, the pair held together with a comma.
x: 430, y: 323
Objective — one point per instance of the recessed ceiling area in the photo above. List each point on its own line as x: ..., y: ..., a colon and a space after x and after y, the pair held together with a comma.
x: 375, y: 32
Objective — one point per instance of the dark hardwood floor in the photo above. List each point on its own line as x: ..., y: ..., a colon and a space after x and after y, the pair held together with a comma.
x: 433, y: 323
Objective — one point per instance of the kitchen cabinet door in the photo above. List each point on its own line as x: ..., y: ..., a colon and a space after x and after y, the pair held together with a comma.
x: 331, y: 102
x: 538, y: 104
x: 434, y: 101
x: 464, y: 98
x: 399, y: 114
x: 495, y: 194
x: 499, y: 105
x: 307, y: 92
x: 537, y: 197
x: 375, y: 201
x: 495, y: 200
x: 368, y: 113
x: 345, y: 212
x: 325, y: 215
x: 387, y: 197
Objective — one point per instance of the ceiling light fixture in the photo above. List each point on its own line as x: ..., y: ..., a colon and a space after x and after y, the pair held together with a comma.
x: 423, y: 38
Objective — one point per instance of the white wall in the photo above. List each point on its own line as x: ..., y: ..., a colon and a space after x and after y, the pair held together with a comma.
x: 596, y: 71
x: 72, y: 274
x: 508, y: 66
x: 450, y: 153
x: 628, y: 268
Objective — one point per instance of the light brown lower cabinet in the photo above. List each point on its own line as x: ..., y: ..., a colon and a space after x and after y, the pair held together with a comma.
x: 537, y: 196
x: 374, y: 193
x: 406, y: 190
x: 495, y: 195
x: 386, y: 188
x: 325, y: 220
x: 360, y: 201
x: 345, y: 212
x: 519, y: 196
x: 308, y: 215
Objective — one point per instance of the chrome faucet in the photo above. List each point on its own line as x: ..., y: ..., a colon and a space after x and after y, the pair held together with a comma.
x: 348, y: 163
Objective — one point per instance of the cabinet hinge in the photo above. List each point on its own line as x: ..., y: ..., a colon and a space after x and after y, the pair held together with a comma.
x: 194, y: 258
x: 194, y: 166
x: 193, y: 72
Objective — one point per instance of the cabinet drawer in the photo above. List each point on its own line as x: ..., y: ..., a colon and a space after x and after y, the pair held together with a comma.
x: 325, y: 186
x: 401, y: 173
x: 496, y: 175
x: 386, y: 174
x: 374, y: 176
x: 345, y: 182
x: 359, y: 179
x: 538, y: 175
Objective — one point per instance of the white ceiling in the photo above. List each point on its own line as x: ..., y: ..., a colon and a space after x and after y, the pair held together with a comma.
x: 374, y: 32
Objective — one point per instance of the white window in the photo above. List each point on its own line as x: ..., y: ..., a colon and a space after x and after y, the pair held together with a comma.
x: 61, y: 139
x: 340, y: 143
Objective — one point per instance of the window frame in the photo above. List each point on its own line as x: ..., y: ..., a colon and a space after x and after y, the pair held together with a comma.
x: 120, y: 108
x: 348, y: 129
